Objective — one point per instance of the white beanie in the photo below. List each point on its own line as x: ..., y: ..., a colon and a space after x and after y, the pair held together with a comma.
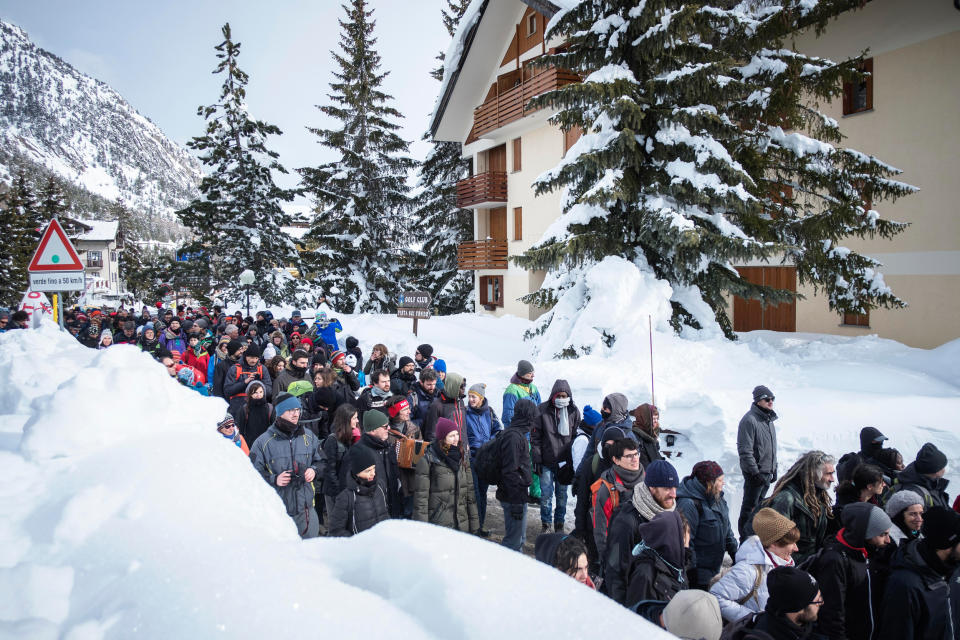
x: 901, y: 500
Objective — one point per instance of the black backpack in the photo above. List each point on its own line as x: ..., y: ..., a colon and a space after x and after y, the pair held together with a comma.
x: 566, y: 473
x: 488, y: 462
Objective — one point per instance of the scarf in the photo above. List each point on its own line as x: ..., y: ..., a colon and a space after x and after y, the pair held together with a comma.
x: 563, y: 418
x: 235, y: 436
x: 629, y: 477
x: 380, y: 393
x: 450, y: 455
x: 644, y: 503
x: 287, y: 427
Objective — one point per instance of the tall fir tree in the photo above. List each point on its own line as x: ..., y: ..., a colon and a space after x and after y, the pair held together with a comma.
x: 438, y: 222
x: 704, y: 148
x: 238, y: 221
x: 358, y: 244
x: 129, y: 254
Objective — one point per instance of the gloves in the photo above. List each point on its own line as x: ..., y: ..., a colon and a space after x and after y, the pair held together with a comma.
x: 516, y: 511
x: 537, y: 468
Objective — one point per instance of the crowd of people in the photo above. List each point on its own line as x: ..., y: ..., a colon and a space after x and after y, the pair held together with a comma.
x: 348, y: 441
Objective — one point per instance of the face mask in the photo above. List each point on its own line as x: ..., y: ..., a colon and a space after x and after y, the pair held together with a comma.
x: 561, y: 403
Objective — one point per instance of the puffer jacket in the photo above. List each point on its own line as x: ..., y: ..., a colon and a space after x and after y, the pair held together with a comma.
x: 710, y: 531
x: 738, y: 582
x: 482, y: 424
x: 757, y: 443
x: 515, y: 391
x: 443, y: 496
x: 388, y: 472
x: 275, y: 452
x: 358, y: 508
x: 545, y: 439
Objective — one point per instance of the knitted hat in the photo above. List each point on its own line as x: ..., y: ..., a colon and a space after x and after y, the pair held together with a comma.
x: 479, y: 390
x: 296, y: 313
x: 879, y: 522
x: 591, y: 416
x: 791, y: 590
x: 395, y: 409
x: 660, y: 473
x: 941, y: 527
x: 693, y: 615
x: 770, y: 526
x: 350, y: 360
x: 930, y: 459
x: 227, y: 422
x: 147, y: 326
x: 361, y: 459
x: 253, y: 351
x: 706, y: 471
x: 352, y: 343
x: 901, y: 500
x: 761, y: 391
x: 862, y: 521
x: 374, y: 419
x: 444, y: 428
x: 404, y: 361
x: 440, y: 365
x: 425, y: 350
x: 232, y: 347
x: 285, y: 402
x: 337, y: 355
x: 299, y: 388
x: 524, y: 367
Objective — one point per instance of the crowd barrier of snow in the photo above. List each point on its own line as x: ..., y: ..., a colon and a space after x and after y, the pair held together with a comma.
x: 125, y: 514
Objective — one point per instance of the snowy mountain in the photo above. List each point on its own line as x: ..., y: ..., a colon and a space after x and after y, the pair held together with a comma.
x: 79, y: 128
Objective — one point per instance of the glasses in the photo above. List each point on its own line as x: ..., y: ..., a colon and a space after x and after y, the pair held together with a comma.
x: 631, y: 456
x: 768, y: 398
x: 818, y: 603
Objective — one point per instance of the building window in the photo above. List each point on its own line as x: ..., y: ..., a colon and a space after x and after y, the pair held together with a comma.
x: 491, y: 291
x: 518, y: 223
x: 113, y: 256
x: 516, y: 154
x: 531, y: 24
x: 856, y: 319
x: 95, y: 259
x: 858, y: 96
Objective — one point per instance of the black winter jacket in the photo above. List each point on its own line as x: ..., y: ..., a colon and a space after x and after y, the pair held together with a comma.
x: 932, y: 490
x: 449, y: 408
x: 919, y: 604
x: 334, y: 452
x: 657, y: 570
x: 710, y: 532
x: 515, y: 473
x: 843, y: 572
x: 621, y: 539
x: 545, y: 439
x: 388, y: 472
x: 358, y: 508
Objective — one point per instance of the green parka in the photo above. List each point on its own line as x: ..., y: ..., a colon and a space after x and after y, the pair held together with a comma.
x: 442, y: 496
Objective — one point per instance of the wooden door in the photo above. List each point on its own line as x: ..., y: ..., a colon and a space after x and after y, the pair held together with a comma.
x: 749, y: 315
x: 498, y: 224
x: 497, y: 159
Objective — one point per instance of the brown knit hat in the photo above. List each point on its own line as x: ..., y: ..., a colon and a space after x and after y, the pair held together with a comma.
x: 770, y: 526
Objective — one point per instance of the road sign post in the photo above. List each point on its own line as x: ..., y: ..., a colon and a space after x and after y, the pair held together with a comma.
x: 55, y: 265
x: 416, y: 305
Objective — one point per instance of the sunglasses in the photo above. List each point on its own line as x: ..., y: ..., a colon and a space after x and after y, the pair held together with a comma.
x: 767, y: 398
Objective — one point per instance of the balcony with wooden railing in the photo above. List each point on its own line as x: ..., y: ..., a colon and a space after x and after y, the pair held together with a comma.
x: 482, y: 254
x: 511, y: 105
x: 482, y: 190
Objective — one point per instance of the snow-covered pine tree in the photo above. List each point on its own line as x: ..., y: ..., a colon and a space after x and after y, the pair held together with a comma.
x: 238, y: 220
x: 438, y: 221
x: 130, y: 256
x: 358, y: 243
x: 52, y: 203
x: 696, y: 119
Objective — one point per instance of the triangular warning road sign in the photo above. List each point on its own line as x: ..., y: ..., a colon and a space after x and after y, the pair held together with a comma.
x: 55, y: 253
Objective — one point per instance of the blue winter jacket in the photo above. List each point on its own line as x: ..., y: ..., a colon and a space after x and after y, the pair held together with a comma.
x: 516, y: 390
x: 710, y: 531
x: 482, y: 424
x: 328, y: 332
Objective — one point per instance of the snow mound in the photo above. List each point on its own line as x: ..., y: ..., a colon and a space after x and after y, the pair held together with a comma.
x: 123, y: 513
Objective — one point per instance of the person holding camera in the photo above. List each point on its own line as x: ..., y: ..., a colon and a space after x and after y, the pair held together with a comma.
x: 288, y: 457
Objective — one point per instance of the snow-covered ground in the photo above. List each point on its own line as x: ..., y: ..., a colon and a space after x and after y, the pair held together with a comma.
x: 123, y: 512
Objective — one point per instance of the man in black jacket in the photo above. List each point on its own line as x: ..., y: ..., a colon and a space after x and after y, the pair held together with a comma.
x: 376, y: 439
x: 871, y: 443
x: 845, y: 575
x: 792, y: 608
x: 554, y: 428
x: 515, y: 473
x: 757, y: 448
x: 924, y: 476
x: 921, y: 599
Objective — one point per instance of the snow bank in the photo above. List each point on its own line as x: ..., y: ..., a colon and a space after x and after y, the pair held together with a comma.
x: 124, y: 513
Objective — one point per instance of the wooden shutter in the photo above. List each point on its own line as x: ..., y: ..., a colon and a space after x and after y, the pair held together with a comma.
x: 516, y: 154
x: 570, y: 137
x: 518, y: 223
x: 498, y: 223
x: 497, y: 159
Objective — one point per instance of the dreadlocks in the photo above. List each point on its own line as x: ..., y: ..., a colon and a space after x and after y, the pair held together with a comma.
x: 809, y: 469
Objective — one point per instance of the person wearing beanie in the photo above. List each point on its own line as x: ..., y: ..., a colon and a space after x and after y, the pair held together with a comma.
x: 173, y: 339
x: 757, y: 449
x: 905, y: 509
x: 403, y: 379
x: 653, y: 495
x: 515, y: 473
x: 743, y: 589
x: 353, y: 348
x: 345, y: 373
x: 239, y: 375
x: 558, y: 422
x: 440, y: 366
x: 296, y: 370
x: 613, y: 488
x: 148, y: 342
x: 276, y: 345
x: 422, y: 395
x: 482, y: 424
x: 228, y: 429
x: 398, y: 410
x: 448, y: 404
x: 871, y: 446
x: 925, y: 477
x: 375, y: 425
x: 693, y: 615
x: 700, y: 499
x: 361, y: 504
x: 106, y: 339
x: 847, y: 579
x: 289, y: 459
x: 521, y: 386
x: 803, y: 495
x: 921, y: 595
x: 791, y: 611
x: 326, y: 329
x: 423, y: 357
x: 660, y: 561
x: 646, y: 428
x: 443, y: 492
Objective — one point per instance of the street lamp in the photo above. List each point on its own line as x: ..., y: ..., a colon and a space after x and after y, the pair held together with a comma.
x: 246, y: 279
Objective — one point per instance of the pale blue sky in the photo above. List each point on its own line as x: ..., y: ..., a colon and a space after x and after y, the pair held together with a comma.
x: 159, y: 56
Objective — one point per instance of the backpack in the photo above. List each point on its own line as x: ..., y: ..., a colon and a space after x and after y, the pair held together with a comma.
x: 566, y: 472
x: 614, y: 494
x: 488, y: 463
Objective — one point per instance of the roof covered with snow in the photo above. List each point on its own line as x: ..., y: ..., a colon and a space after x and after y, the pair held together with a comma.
x: 99, y: 230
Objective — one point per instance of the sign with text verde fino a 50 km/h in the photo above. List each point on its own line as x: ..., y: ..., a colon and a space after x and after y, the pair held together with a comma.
x: 55, y: 265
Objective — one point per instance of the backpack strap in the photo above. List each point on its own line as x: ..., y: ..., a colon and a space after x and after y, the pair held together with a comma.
x: 756, y: 586
x: 402, y: 436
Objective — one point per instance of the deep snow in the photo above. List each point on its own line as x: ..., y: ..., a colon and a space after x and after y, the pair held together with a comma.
x: 123, y: 512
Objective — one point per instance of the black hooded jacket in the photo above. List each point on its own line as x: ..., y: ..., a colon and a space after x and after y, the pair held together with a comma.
x: 515, y: 472
x: 545, y: 439
x: 932, y: 490
x: 919, y: 604
x: 657, y: 571
x: 388, y: 472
